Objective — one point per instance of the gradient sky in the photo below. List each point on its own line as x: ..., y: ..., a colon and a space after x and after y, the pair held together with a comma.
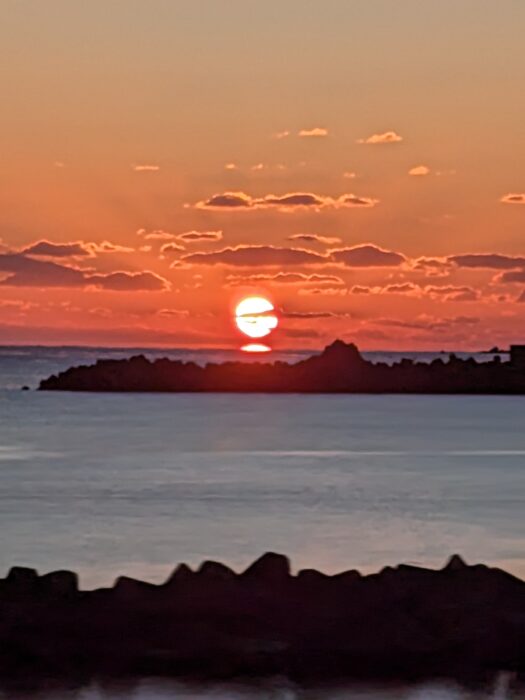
x: 359, y: 161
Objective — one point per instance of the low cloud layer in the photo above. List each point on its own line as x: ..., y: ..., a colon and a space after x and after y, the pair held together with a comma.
x: 385, y: 137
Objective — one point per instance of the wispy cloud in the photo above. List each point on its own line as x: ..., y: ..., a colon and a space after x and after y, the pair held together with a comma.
x: 385, y: 137
x: 158, y: 235
x: 281, y: 135
x: 145, y: 168
x: 419, y: 171
x: 314, y: 238
x: 513, y: 198
x: 200, y: 236
x: 316, y: 132
x: 230, y: 166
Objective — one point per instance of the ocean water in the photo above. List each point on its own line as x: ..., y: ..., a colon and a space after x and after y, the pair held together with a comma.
x: 502, y: 687
x: 110, y: 484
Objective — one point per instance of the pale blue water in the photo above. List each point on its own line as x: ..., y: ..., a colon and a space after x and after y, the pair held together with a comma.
x: 133, y: 484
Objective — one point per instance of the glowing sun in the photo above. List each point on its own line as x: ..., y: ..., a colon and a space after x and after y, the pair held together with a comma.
x: 255, y: 317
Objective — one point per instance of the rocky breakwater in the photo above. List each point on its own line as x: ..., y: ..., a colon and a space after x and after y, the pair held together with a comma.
x: 403, y: 622
x: 340, y: 368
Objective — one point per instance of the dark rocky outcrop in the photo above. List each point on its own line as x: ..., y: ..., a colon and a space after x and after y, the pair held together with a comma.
x: 403, y: 622
x: 338, y: 369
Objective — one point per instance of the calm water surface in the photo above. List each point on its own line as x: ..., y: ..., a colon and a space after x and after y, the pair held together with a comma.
x: 501, y: 688
x: 112, y: 484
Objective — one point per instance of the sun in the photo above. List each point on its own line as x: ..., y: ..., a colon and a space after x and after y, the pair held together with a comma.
x: 255, y: 317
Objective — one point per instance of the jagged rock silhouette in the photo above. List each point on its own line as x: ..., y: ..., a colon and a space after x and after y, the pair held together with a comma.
x: 340, y: 368
x: 402, y: 622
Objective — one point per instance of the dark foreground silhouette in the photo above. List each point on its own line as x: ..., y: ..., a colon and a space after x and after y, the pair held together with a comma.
x: 338, y: 369
x: 402, y: 623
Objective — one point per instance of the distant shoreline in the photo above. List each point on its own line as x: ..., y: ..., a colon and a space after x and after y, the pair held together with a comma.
x: 339, y: 368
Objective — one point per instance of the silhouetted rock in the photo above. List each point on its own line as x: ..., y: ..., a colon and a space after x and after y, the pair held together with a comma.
x: 60, y: 584
x: 401, y: 622
x: 270, y: 569
x: 339, y: 368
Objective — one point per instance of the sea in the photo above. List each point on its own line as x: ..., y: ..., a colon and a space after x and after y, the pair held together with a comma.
x: 113, y: 484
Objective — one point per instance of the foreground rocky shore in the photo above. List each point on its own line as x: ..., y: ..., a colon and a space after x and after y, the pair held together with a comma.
x: 338, y: 369
x: 402, y: 623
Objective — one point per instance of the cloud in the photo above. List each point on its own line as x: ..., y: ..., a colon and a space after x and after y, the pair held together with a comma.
x: 240, y: 201
x: 57, y: 250
x: 405, y: 288
x: 323, y: 291
x: 521, y: 298
x: 155, y: 235
x: 512, y: 276
x: 386, y: 137
x: 433, y: 267
x: 27, y: 272
x: 171, y: 248
x: 419, y: 171
x: 488, y: 261
x: 145, y: 168
x: 75, y: 249
x: 316, y: 132
x: 129, y: 282
x: 108, y: 247
x: 314, y: 238
x: 255, y: 256
x: 367, y: 255
x: 349, y: 175
x: 199, y: 236
x: 361, y: 289
x: 283, y: 278
x: 312, y: 314
x: 281, y: 135
x: 230, y: 166
x: 429, y: 324
x: 173, y: 313
x: 453, y: 293
x: 513, y: 198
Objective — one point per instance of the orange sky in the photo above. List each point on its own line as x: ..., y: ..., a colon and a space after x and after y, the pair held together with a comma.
x: 362, y: 164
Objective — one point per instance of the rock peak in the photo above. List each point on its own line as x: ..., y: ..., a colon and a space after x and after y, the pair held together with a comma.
x: 455, y: 563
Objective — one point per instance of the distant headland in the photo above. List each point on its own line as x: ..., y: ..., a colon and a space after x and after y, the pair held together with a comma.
x: 403, y: 622
x: 339, y: 368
